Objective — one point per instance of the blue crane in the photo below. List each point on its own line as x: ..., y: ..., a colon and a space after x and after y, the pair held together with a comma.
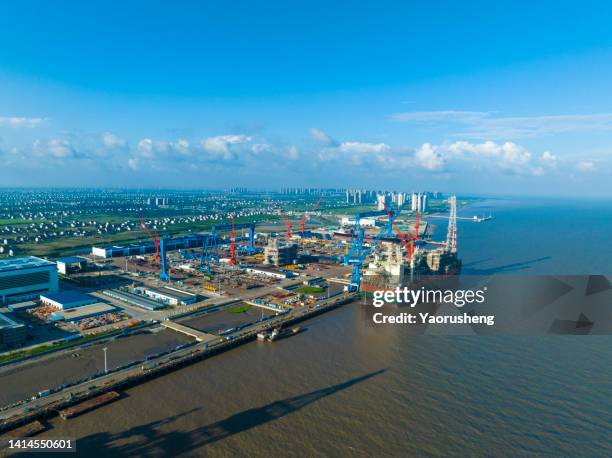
x: 210, y: 250
x: 357, y: 253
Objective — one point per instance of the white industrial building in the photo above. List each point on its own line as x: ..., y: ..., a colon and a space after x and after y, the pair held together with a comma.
x: 67, y: 299
x: 280, y: 274
x: 363, y: 222
x: 171, y: 296
x: 71, y: 264
x: 22, y: 279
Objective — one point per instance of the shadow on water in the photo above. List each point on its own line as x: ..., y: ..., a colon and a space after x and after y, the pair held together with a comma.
x: 147, y: 440
x: 514, y: 267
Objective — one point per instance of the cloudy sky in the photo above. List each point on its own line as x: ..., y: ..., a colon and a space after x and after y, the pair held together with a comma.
x: 471, y: 97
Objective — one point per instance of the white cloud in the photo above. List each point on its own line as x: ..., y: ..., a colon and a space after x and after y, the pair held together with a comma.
x: 146, y: 148
x: 585, y: 166
x: 222, y: 146
x: 447, y: 115
x: 360, y: 147
x: 508, y: 156
x: 56, y: 148
x: 549, y: 159
x: 112, y: 141
x: 482, y: 124
x: 293, y: 152
x: 15, y: 121
x: 133, y: 163
x: 515, y: 155
x: 429, y: 158
x: 321, y: 137
x: 181, y: 146
x: 487, y: 148
x: 259, y: 148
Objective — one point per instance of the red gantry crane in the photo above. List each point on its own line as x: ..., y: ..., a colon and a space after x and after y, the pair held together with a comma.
x: 154, y: 240
x: 407, y: 240
x: 287, y: 224
x: 305, y: 218
x: 233, y: 260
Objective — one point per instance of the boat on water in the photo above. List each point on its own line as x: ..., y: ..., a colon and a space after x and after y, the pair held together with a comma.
x: 279, y: 333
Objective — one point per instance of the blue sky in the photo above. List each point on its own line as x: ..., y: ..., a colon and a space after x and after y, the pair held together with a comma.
x: 478, y: 97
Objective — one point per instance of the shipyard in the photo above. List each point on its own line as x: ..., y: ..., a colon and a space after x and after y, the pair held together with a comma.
x: 183, y: 278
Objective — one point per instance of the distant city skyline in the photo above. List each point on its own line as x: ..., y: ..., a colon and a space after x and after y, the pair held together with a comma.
x: 469, y: 98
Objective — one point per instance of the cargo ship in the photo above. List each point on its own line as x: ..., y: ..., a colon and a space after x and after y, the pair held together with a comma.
x: 88, y: 405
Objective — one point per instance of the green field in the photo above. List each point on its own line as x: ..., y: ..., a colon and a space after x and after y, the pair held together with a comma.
x: 241, y: 308
x: 310, y: 290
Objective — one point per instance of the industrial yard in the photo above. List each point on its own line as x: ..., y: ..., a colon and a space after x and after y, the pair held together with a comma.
x: 142, y: 282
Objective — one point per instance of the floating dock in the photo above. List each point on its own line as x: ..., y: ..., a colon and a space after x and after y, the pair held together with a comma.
x: 88, y: 405
x: 28, y: 430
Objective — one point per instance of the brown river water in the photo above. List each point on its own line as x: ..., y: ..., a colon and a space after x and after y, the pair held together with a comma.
x: 342, y: 389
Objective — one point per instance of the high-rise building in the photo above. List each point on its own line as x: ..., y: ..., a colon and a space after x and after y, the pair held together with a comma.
x: 413, y: 202
x: 400, y: 199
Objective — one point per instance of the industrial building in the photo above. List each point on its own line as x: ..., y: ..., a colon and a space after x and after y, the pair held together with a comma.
x: 364, y: 222
x: 275, y: 273
x: 133, y: 299
x: 67, y: 299
x: 179, y: 243
x: 22, y: 306
x: 280, y: 253
x: 26, y: 278
x: 80, y: 313
x: 11, y: 332
x: 71, y: 265
x: 171, y: 296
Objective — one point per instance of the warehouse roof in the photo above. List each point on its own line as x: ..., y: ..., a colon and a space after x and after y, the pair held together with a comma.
x: 171, y: 292
x: 72, y: 260
x: 28, y: 262
x: 67, y: 297
x: 83, y: 312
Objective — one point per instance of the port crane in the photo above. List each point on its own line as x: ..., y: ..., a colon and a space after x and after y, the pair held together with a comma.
x: 305, y: 218
x: 287, y: 222
x: 287, y: 226
x: 357, y: 253
x: 210, y: 245
x: 233, y: 260
x: 154, y: 240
